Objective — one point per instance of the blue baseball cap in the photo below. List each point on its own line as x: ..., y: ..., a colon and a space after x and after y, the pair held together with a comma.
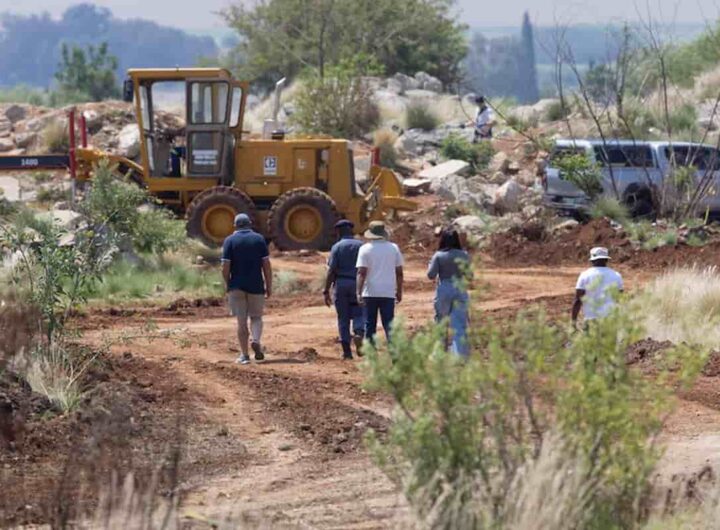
x: 344, y: 223
x: 242, y: 220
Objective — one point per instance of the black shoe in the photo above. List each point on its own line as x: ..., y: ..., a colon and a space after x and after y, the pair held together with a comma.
x: 347, y: 352
x: 347, y: 357
x: 358, y: 341
x: 257, y: 348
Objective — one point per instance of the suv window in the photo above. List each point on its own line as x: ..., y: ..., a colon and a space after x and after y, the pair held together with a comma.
x: 621, y: 156
x: 560, y: 152
x: 701, y: 158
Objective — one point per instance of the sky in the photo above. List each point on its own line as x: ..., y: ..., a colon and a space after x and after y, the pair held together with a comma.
x: 200, y: 15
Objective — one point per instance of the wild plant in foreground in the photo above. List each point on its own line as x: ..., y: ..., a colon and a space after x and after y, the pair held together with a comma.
x: 470, y: 439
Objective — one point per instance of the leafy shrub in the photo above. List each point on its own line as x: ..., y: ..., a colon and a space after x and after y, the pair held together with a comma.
x: 582, y: 172
x: 287, y: 282
x: 611, y: 208
x: 419, y: 115
x: 456, y: 147
x: 384, y: 139
x: 52, y: 194
x: 55, y: 137
x: 115, y: 205
x: 465, y: 433
x: 340, y: 104
x: 557, y: 111
x: 90, y: 72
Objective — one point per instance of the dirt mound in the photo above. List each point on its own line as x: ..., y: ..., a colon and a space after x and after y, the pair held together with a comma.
x: 524, y: 247
x: 133, y: 415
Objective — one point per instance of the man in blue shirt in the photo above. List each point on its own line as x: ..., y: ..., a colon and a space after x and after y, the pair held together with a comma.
x: 248, y: 280
x: 342, y: 274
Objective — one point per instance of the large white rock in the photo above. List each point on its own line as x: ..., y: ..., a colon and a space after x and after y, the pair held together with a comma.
x: 6, y: 144
x: 129, y: 141
x: 451, y: 167
x: 66, y: 219
x: 403, y: 82
x: 470, y: 192
x: 413, y: 186
x: 470, y: 224
x: 428, y: 82
x: 507, y: 197
x: 10, y: 188
x: 25, y: 140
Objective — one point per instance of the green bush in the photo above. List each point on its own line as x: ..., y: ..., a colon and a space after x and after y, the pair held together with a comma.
x: 557, y: 111
x: 127, y: 212
x: 155, y: 276
x: 340, y: 104
x: 52, y: 194
x: 465, y: 433
x: 419, y: 115
x: 456, y: 147
x: 582, y: 172
x: 612, y: 209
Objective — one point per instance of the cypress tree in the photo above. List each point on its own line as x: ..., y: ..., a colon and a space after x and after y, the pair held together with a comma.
x: 527, y: 90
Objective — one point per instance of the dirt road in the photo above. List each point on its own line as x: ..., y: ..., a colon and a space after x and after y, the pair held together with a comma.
x: 301, y: 415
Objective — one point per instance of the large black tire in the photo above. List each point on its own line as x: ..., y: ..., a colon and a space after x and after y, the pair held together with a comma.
x: 211, y: 214
x: 640, y: 204
x: 303, y: 218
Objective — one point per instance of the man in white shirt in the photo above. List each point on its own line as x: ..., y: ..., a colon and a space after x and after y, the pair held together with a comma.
x: 484, y: 120
x: 596, y: 287
x: 379, y: 279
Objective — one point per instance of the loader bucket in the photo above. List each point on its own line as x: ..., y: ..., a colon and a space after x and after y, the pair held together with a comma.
x: 385, y: 194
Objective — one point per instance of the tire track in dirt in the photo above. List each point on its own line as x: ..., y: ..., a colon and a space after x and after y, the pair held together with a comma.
x: 301, y: 420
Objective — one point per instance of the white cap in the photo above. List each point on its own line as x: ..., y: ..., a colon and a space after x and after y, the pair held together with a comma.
x: 599, y: 253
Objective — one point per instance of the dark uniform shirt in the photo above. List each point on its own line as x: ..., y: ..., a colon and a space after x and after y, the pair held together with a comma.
x: 343, y: 258
x: 246, y: 250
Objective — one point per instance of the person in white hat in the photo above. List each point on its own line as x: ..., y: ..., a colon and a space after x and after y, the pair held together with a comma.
x: 595, y: 288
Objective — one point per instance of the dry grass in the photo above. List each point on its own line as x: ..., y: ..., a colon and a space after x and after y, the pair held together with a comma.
x: 552, y: 491
x: 255, y: 117
x: 55, y: 137
x: 385, y: 139
x: 683, y: 306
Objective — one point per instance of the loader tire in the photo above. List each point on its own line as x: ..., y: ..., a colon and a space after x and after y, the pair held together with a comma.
x: 303, y: 218
x: 211, y: 214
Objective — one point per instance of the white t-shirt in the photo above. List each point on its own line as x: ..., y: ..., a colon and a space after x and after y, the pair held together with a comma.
x: 484, y: 117
x: 381, y: 258
x: 598, y: 284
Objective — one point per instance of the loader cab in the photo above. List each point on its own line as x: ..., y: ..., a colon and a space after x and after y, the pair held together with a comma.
x: 189, y: 120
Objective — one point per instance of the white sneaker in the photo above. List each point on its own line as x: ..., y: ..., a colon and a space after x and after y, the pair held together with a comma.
x: 243, y: 359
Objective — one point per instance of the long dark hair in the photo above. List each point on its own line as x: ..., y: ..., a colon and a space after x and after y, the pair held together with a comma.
x: 449, y: 239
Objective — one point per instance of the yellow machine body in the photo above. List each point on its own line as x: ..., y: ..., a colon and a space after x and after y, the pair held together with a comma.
x: 291, y: 187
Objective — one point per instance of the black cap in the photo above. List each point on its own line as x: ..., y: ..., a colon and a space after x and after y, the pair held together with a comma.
x: 480, y: 99
x: 344, y: 223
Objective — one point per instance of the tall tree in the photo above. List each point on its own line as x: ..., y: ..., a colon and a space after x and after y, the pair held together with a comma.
x: 282, y: 37
x: 528, y: 91
x: 90, y: 72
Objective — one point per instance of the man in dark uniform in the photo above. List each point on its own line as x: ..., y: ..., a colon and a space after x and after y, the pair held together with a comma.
x: 342, y: 275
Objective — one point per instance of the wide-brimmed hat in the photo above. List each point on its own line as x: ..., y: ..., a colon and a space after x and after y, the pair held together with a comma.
x: 599, y: 253
x: 376, y: 230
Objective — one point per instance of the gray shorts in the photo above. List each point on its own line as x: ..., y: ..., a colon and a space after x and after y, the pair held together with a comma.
x: 244, y: 305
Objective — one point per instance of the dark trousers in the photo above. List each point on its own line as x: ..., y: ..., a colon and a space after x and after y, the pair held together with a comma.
x: 348, y: 310
x: 386, y: 308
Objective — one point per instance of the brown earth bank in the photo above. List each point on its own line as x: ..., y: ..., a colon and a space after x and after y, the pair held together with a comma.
x: 530, y: 245
x: 278, y: 443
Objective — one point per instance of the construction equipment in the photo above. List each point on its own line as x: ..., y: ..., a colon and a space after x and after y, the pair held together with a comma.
x: 293, y: 189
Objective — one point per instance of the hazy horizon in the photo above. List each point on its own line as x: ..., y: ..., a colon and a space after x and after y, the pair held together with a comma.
x: 203, y: 17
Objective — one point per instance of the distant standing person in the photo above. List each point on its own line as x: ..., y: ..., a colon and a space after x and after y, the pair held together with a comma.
x: 595, y: 288
x: 342, y: 279
x: 450, y: 265
x: 484, y: 120
x: 248, y: 280
x: 379, y: 279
